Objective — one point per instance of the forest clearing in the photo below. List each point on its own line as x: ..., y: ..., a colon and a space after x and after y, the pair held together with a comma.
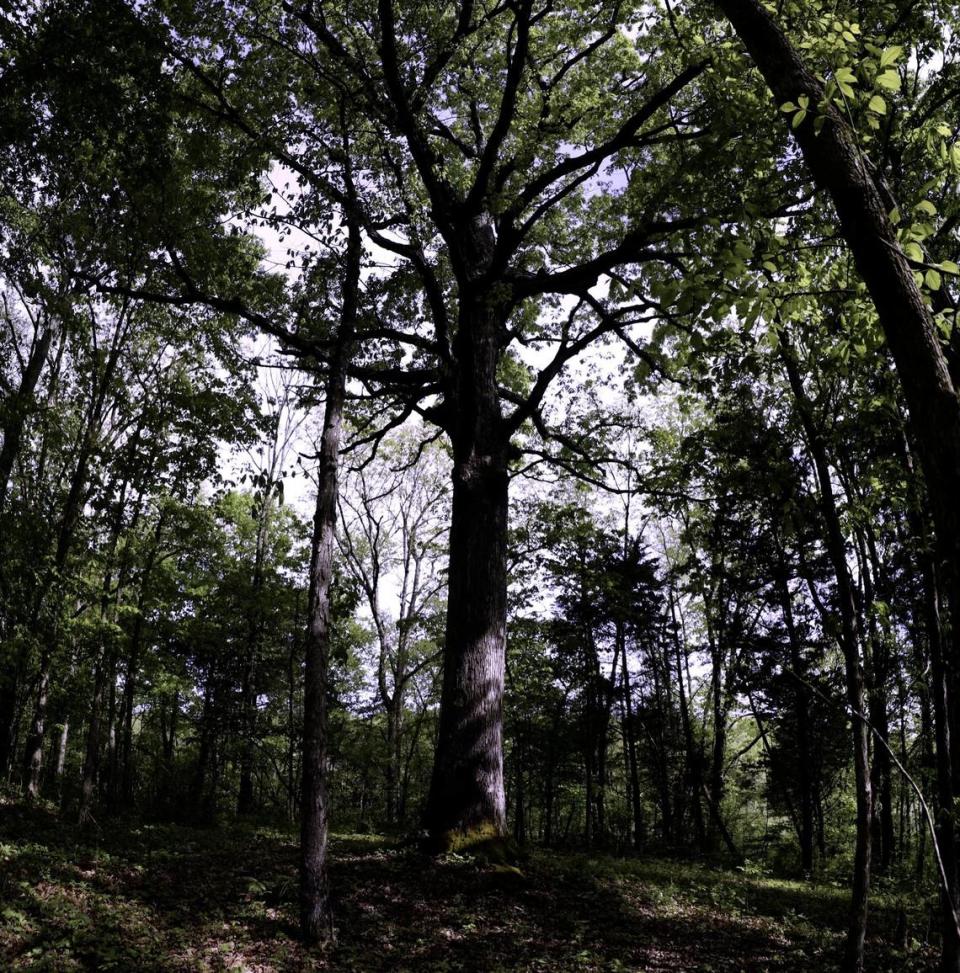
x: 480, y: 485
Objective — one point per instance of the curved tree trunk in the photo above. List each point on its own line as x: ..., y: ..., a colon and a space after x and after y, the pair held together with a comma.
x: 863, y: 206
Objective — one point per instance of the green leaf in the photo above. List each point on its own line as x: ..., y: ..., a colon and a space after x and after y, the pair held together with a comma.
x: 890, y: 56
x: 932, y: 279
x: 889, y: 80
x: 926, y: 207
x: 845, y: 78
x: 913, y: 252
x: 878, y: 105
x: 948, y: 267
x: 798, y: 118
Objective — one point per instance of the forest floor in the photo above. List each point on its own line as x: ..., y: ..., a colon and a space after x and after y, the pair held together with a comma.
x: 163, y: 898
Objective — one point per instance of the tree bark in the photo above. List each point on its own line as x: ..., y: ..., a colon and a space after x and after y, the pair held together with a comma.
x: 17, y: 408
x: 316, y: 914
x: 849, y: 639
x: 61, y: 760
x: 91, y: 763
x: 802, y: 715
x: 863, y: 206
x: 129, y: 690
x: 939, y: 694
x: 636, y: 805
x: 248, y: 710
x: 694, y: 762
x: 33, y: 751
x: 466, y: 801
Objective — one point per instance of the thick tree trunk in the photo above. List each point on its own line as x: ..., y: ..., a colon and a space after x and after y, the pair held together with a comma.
x: 316, y: 914
x: 466, y: 801
x: 466, y: 792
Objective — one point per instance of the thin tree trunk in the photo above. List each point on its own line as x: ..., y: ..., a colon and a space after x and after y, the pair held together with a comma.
x: 18, y: 406
x: 802, y: 716
x: 863, y: 205
x: 694, y: 771
x: 316, y: 914
x: 62, y: 753
x: 112, y: 789
x: 636, y: 805
x: 946, y: 836
x: 849, y: 638
x: 129, y: 690
x: 33, y: 753
x: 394, y: 755
x: 91, y: 763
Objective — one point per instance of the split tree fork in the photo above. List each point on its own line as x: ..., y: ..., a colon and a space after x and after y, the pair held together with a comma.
x: 863, y: 205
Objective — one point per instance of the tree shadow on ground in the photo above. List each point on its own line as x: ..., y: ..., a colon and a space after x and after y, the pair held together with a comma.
x: 158, y: 898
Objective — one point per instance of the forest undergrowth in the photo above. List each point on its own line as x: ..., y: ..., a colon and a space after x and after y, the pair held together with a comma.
x: 162, y: 898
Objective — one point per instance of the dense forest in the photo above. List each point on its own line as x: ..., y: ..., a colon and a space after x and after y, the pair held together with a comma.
x: 480, y: 485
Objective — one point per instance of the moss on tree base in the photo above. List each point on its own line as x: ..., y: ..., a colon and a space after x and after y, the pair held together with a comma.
x: 484, y: 842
